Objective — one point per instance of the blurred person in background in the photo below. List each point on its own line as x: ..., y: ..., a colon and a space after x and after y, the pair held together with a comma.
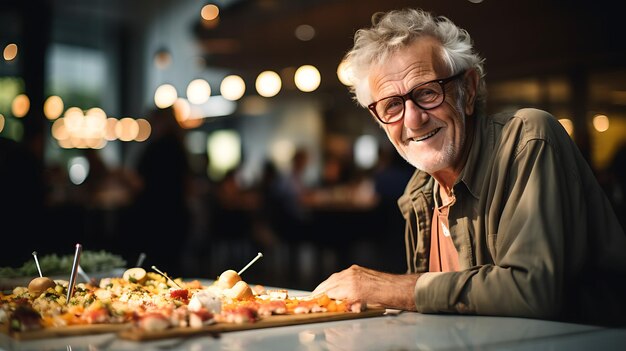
x: 161, y: 203
x: 390, y: 177
x: 201, y: 204
x: 503, y: 215
x: 293, y: 196
x: 231, y: 237
x: 286, y: 200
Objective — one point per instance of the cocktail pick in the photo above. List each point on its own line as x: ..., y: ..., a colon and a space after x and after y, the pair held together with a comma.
x: 259, y: 255
x: 37, y: 263
x: 166, y: 277
x: 142, y: 256
x: 70, y: 287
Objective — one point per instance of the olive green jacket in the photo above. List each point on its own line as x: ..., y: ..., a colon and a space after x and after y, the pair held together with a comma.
x: 535, y: 233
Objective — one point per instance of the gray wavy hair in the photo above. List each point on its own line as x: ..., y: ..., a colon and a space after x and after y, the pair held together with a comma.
x: 397, y: 29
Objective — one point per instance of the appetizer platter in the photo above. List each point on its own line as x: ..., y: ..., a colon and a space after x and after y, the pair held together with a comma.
x: 147, y: 305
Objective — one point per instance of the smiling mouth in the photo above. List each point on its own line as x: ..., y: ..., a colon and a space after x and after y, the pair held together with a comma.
x: 427, y: 136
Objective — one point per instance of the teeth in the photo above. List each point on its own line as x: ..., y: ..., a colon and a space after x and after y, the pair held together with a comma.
x: 424, y: 137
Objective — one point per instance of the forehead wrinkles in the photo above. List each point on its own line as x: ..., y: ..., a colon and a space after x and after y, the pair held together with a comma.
x: 384, y: 82
x: 408, y: 66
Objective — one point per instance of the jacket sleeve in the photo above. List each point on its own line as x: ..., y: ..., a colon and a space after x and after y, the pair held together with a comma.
x: 525, y: 203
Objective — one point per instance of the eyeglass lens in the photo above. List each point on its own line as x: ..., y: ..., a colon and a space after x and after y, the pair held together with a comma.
x: 426, y: 96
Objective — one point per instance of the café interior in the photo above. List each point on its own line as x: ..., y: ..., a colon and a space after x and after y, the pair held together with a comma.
x: 202, y: 132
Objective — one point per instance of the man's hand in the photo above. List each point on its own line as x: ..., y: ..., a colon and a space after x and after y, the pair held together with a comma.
x: 372, y: 287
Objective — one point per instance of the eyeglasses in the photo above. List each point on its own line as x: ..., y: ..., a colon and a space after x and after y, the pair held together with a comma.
x: 427, y: 96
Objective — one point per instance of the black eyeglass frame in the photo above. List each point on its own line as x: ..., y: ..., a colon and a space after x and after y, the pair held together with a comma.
x: 409, y: 96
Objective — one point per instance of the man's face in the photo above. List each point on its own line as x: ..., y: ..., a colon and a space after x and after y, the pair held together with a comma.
x: 431, y: 140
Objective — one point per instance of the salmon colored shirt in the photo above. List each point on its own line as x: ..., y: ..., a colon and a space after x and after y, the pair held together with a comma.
x: 443, y: 254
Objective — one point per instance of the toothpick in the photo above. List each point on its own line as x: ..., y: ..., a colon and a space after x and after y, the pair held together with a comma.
x: 166, y: 277
x: 142, y: 256
x: 72, y: 282
x: 259, y: 255
x: 37, y: 263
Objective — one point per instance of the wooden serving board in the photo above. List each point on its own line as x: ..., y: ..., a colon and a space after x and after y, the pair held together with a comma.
x: 128, y: 332
x: 72, y: 330
x: 267, y: 322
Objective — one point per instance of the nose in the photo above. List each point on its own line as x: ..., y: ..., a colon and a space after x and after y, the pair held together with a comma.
x: 414, y: 116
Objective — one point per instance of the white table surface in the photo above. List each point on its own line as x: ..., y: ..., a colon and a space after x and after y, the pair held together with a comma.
x: 406, y: 331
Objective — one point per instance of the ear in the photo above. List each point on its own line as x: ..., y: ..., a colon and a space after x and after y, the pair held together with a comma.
x: 471, y: 89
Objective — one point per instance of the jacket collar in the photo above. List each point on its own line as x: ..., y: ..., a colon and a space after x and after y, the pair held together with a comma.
x: 477, y: 162
x: 420, y: 183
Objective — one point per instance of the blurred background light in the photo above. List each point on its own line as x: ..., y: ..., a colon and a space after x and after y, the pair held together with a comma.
x: 73, y: 120
x: 268, y: 84
x: 224, y: 150
x: 601, y: 123
x: 344, y: 73
x: 144, y: 130
x: 366, y: 151
x: 10, y: 52
x: 210, y: 12
x: 304, y: 32
x: 20, y: 105
x: 217, y: 106
x: 78, y: 169
x: 183, y: 114
x: 59, y: 131
x: 198, y: 91
x: 233, y: 87
x: 182, y: 110
x: 126, y: 129
x: 94, y: 124
x: 110, y: 133
x: 307, y: 78
x: 165, y: 96
x: 53, y: 107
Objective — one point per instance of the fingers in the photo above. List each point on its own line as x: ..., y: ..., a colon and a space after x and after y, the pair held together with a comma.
x: 341, y: 285
x: 322, y: 287
x: 319, y: 289
x: 326, y: 285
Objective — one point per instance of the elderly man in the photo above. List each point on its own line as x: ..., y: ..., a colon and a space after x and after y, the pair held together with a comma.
x: 503, y: 214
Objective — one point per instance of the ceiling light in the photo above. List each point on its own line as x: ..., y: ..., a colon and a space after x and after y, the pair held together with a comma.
x: 20, y: 106
x: 198, y: 91
x: 165, y: 95
x: 345, y: 74
x: 601, y: 123
x: 268, y: 83
x: 10, y: 52
x: 305, y: 32
x: 210, y: 12
x: 145, y: 129
x: 232, y: 88
x: 53, y: 107
x: 307, y: 78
